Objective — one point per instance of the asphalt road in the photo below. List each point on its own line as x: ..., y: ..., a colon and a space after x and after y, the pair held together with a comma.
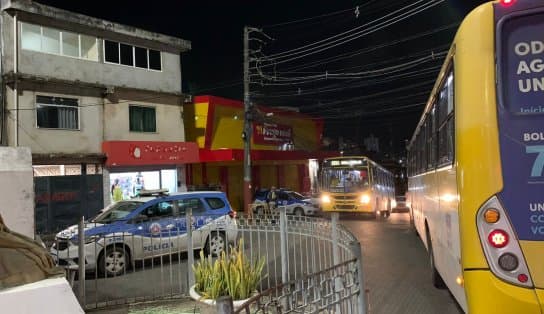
x: 396, y: 268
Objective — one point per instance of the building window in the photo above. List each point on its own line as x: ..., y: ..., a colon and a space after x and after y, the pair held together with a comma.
x: 54, y: 41
x: 155, y: 60
x: 140, y: 57
x: 88, y: 47
x: 50, y: 40
x: 142, y: 119
x: 119, y: 53
x: 57, y: 113
x: 70, y: 44
x: 111, y: 51
x: 31, y: 38
x: 127, y: 54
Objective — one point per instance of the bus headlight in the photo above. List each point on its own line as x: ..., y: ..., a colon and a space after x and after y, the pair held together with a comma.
x: 365, y: 199
x: 325, y: 199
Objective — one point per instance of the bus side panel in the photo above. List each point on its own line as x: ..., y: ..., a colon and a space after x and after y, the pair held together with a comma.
x: 430, y: 206
x: 448, y: 252
x: 415, y: 197
x: 540, y: 295
x: 506, y: 298
x: 532, y: 251
x: 476, y: 137
x: 423, y: 197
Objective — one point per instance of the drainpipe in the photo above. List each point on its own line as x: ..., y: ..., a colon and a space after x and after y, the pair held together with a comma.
x: 15, y: 71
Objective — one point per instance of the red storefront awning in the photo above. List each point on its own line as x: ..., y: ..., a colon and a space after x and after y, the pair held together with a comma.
x: 142, y: 153
x: 207, y: 155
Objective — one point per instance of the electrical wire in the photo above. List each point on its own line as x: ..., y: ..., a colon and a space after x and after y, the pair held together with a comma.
x: 381, y: 93
x: 334, y: 38
x: 362, y: 74
x: 344, y: 86
x: 97, y: 104
x: 348, y: 55
x: 302, y: 52
x: 309, y: 18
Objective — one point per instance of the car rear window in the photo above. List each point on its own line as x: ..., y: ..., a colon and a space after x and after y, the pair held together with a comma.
x: 215, y: 202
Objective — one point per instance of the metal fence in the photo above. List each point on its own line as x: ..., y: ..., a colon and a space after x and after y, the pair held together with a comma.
x: 312, y: 265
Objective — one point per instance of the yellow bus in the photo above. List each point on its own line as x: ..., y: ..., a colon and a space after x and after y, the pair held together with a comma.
x: 356, y: 184
x: 476, y: 161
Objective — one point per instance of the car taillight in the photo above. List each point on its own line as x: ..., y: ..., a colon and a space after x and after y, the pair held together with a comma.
x: 232, y: 214
x: 500, y: 245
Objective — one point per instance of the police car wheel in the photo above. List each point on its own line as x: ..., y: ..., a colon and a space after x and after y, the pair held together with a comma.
x: 216, y: 243
x: 114, y: 261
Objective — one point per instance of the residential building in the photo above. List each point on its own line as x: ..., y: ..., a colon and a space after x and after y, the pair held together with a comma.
x: 95, y: 101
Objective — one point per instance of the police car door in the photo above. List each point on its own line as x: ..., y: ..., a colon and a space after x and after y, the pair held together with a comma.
x: 197, y: 211
x: 158, y: 229
x: 285, y: 201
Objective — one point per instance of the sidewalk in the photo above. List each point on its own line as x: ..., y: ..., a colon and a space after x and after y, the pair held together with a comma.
x: 177, y: 306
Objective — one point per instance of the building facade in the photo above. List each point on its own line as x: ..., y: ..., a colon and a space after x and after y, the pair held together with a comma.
x: 285, y: 147
x: 76, y: 89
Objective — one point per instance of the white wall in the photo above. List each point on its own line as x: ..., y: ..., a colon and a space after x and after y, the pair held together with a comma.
x: 17, y: 189
x: 73, y: 69
x: 168, y: 118
x: 88, y: 139
x: 48, y: 296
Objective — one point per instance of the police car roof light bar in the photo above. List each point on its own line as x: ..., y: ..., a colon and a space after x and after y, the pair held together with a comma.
x: 156, y: 192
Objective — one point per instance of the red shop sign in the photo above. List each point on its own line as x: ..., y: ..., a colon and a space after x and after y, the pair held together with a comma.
x: 140, y: 153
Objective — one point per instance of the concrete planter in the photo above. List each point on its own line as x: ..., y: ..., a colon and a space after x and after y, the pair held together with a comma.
x: 197, y: 297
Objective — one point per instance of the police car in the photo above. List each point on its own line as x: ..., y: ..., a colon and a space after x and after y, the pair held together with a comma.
x: 294, y: 203
x: 150, y: 225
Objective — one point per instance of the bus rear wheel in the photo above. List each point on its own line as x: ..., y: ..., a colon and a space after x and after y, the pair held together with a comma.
x: 436, y: 279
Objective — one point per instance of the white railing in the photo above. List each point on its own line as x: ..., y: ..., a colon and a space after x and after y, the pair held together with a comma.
x: 312, y: 264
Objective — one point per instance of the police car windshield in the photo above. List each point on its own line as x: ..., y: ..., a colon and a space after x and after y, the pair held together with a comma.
x: 116, y: 211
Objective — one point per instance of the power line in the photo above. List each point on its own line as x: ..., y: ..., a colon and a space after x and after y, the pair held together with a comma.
x: 370, y: 49
x: 322, y: 45
x: 343, y: 75
x: 310, y: 18
x: 97, y: 104
x: 333, y: 38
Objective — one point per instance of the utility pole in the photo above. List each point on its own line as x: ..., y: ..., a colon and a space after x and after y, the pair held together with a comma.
x: 246, y: 134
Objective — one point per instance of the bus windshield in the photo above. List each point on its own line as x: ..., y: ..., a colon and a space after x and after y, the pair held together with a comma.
x: 345, y: 180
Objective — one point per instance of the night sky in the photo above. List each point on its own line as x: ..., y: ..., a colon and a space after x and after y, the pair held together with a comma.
x: 375, y: 79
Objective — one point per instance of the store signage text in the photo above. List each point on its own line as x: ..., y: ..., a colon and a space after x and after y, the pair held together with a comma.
x: 272, y: 133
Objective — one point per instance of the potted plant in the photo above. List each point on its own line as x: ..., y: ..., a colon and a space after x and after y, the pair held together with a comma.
x: 230, y: 274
